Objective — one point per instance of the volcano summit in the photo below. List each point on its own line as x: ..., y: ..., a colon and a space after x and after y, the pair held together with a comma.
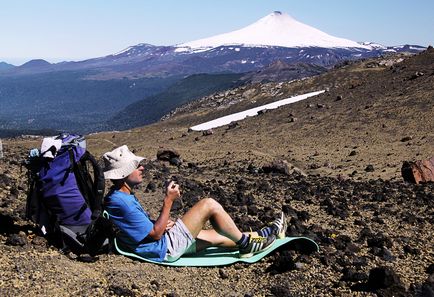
x: 275, y: 29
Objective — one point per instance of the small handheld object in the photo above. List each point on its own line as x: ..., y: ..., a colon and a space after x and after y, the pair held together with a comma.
x: 167, y: 183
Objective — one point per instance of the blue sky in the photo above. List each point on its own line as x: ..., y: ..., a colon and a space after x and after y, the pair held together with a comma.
x: 58, y: 30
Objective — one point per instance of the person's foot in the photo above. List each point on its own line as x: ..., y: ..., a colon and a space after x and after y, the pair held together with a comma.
x: 256, y: 245
x: 279, y: 226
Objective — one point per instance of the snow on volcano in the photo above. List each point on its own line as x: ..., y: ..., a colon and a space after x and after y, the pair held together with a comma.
x: 275, y: 29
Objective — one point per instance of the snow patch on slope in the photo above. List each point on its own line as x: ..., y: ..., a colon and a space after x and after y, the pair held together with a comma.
x: 251, y: 112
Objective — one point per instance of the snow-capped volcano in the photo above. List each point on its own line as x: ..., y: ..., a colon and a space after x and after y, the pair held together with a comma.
x: 276, y: 29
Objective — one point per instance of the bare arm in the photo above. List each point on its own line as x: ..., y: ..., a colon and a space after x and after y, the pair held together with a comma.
x: 160, y: 224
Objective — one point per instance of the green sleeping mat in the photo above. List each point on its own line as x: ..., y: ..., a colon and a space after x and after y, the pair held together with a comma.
x: 220, y: 257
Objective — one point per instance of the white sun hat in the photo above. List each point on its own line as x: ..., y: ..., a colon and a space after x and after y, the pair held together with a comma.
x: 120, y: 162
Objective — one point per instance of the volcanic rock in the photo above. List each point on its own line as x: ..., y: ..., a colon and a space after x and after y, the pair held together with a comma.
x: 175, y: 161
x: 278, y: 166
x: 430, y: 269
x: 284, y: 262
x: 417, y: 172
x: 207, y: 132
x: 280, y: 291
x: 369, y: 168
x: 120, y: 291
x: 167, y: 154
x: 382, y: 277
x: 352, y: 275
x: 233, y: 125
x: 17, y: 240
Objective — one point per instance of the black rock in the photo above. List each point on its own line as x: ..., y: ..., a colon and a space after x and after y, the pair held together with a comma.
x: 277, y: 166
x: 360, y: 262
x: 175, y: 161
x: 407, y: 138
x: 352, y: 247
x: 252, y: 210
x: 341, y: 242
x: 167, y: 154
x: 207, y: 132
x: 358, y: 222
x: 155, y: 285
x: 365, y: 233
x: 192, y: 165
x: 387, y: 255
x: 119, y: 291
x: 342, y: 260
x: 264, y: 186
x: 5, y: 180
x: 303, y: 215
x: 280, y: 291
x: 383, y: 277
x: 7, y: 225
x: 430, y: 269
x: 370, y: 168
x: 379, y: 240
x: 352, y: 275
x: 14, y: 191
x: 151, y: 186
x: 283, y: 262
x: 427, y: 290
x: 17, y: 240
x: 326, y: 260
x: 384, y: 282
x: 232, y: 125
x: 223, y: 274
x: 410, y: 250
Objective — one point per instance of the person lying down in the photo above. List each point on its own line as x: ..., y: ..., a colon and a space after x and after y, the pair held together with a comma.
x: 164, y: 239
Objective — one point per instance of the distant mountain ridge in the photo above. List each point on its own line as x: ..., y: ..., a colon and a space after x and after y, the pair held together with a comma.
x: 277, y: 36
x: 5, y: 66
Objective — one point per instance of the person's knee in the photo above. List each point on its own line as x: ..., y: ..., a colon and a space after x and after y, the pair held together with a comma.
x: 212, y: 205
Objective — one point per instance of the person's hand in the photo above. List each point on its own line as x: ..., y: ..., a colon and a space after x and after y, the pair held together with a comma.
x: 170, y: 224
x: 172, y: 191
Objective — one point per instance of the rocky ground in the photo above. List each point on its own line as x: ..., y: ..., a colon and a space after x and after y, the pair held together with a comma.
x: 331, y: 163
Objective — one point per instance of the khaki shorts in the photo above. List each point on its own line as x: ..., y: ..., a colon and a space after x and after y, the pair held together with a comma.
x: 179, y: 242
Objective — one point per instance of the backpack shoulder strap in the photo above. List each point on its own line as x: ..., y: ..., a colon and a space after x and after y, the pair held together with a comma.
x: 95, y: 187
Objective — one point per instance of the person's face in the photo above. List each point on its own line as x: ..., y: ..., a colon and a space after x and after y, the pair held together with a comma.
x: 136, y: 177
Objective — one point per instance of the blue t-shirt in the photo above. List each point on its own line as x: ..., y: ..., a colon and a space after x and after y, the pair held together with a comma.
x: 134, y: 224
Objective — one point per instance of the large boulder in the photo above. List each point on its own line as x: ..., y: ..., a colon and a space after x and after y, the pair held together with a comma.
x: 417, y: 172
x: 282, y: 167
x: 167, y: 154
x: 170, y: 155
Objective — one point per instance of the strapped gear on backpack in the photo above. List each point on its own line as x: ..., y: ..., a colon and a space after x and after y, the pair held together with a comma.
x: 65, y: 198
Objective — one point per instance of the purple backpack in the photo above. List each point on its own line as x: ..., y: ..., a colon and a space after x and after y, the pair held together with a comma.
x: 66, y: 188
x: 59, y: 187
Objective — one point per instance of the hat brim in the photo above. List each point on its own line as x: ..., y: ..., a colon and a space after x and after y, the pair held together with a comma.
x: 124, y: 171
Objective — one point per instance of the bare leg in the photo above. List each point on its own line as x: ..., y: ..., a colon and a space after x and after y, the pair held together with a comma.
x: 207, y: 238
x: 209, y: 209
